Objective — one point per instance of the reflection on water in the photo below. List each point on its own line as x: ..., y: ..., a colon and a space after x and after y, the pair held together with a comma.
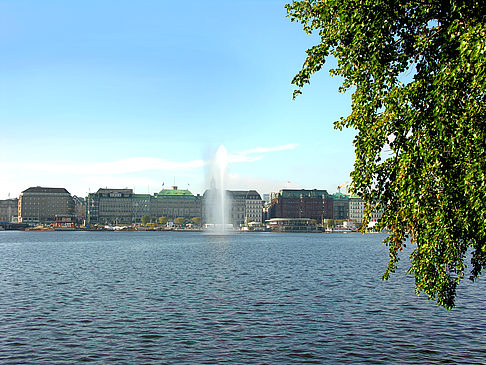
x: 174, y: 297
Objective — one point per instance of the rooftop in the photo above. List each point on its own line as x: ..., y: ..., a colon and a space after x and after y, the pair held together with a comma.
x: 141, y: 196
x: 340, y: 196
x: 296, y: 194
x: 175, y: 193
x: 43, y: 190
x: 108, y: 191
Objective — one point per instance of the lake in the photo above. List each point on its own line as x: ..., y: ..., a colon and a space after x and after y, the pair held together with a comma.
x: 248, y: 298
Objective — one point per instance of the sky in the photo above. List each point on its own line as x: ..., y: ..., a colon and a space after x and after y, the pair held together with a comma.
x: 140, y: 95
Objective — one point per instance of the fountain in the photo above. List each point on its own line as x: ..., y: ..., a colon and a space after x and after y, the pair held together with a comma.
x: 217, y: 204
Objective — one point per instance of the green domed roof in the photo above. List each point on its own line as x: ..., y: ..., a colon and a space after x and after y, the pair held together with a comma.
x: 340, y: 196
x: 175, y: 193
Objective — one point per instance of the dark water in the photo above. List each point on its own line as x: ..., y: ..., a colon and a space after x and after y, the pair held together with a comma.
x: 188, y: 298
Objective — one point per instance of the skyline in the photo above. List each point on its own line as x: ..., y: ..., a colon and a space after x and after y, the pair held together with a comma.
x: 93, y: 95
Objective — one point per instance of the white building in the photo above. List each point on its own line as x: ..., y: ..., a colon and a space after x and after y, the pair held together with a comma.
x: 356, y: 211
x: 253, y: 207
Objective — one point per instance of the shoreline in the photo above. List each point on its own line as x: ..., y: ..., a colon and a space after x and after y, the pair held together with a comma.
x: 171, y: 230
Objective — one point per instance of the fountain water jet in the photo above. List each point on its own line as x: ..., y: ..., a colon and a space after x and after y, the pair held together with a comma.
x: 217, y: 203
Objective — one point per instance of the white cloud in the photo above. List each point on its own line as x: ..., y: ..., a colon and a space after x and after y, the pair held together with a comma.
x: 127, y: 165
x: 139, y: 164
x: 245, y: 156
x: 135, y: 172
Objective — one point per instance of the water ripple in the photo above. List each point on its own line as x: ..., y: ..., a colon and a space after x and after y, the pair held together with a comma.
x: 70, y: 297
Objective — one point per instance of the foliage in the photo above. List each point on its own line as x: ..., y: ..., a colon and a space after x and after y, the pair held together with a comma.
x: 145, y: 219
x: 163, y: 220
x: 179, y: 221
x: 417, y: 72
x: 196, y: 220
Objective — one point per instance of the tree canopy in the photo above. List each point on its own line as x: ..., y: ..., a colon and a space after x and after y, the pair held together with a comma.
x: 163, y: 220
x: 416, y: 70
x: 179, y: 221
x: 145, y: 219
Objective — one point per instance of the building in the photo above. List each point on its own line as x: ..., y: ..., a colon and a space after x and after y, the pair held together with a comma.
x: 110, y: 206
x: 123, y: 206
x: 215, y: 207
x: 356, y: 211
x: 253, y: 207
x: 266, y: 211
x: 312, y: 204
x: 291, y: 225
x: 79, y: 209
x: 65, y: 222
x: 237, y: 201
x: 9, y: 210
x: 340, y: 206
x: 242, y: 206
x: 141, y: 205
x: 41, y: 205
x: 174, y: 203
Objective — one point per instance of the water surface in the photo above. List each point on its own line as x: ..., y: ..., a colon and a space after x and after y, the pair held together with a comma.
x: 190, y: 298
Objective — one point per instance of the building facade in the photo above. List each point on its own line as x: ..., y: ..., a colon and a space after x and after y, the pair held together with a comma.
x: 110, y: 206
x: 141, y: 207
x: 253, y: 207
x: 41, y: 205
x: 237, y: 201
x: 291, y: 225
x: 356, y: 211
x: 340, y: 206
x: 312, y: 204
x: 174, y: 203
x: 123, y: 206
x: 79, y: 210
x: 9, y: 210
x: 242, y: 206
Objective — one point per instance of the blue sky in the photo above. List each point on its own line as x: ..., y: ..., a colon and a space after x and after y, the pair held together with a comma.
x: 135, y: 94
